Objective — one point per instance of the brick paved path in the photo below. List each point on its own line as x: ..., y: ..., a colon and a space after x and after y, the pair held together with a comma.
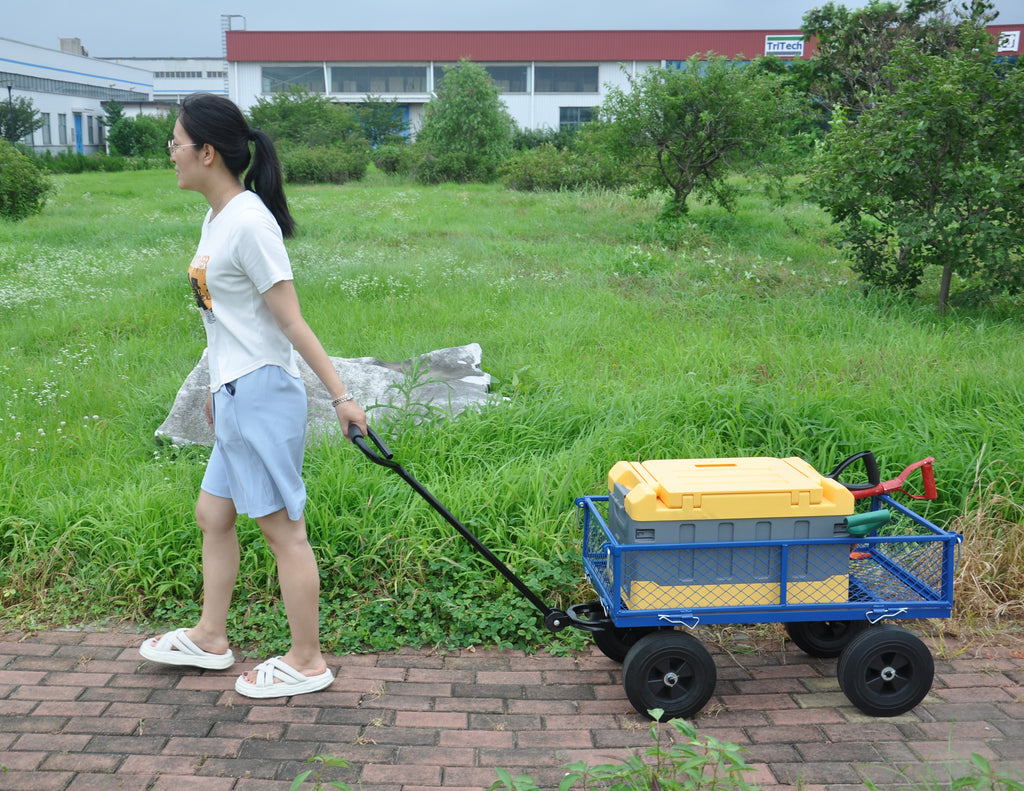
x: 81, y: 710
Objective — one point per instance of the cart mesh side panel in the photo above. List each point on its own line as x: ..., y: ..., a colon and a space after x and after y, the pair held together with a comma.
x: 905, y: 572
x: 904, y: 563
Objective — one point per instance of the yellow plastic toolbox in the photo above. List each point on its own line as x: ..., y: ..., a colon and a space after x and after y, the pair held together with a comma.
x: 744, y: 501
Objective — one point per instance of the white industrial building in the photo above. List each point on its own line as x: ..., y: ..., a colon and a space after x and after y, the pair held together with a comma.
x: 176, y: 78
x: 69, y: 89
x: 547, y: 79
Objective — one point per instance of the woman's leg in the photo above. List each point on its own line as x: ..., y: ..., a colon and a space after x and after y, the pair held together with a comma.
x: 216, y: 517
x: 300, y: 588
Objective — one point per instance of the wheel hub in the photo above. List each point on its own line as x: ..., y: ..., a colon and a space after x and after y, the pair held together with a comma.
x: 888, y: 673
x: 670, y: 679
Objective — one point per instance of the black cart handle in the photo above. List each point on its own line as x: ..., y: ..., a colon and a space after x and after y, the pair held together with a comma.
x: 554, y: 619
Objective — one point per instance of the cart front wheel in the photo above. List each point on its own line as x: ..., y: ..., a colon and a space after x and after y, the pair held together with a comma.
x: 885, y: 671
x: 824, y: 638
x: 669, y: 670
x: 615, y: 641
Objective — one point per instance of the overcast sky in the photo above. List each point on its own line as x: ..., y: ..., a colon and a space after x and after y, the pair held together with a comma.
x: 191, y: 28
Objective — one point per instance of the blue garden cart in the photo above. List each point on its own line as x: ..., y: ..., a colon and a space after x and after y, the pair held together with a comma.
x: 838, y: 595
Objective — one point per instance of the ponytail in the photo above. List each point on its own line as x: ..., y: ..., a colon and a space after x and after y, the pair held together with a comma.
x: 217, y: 121
x: 265, y: 179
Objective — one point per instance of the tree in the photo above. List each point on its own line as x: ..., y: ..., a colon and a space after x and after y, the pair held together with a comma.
x: 854, y: 47
x: 18, y: 119
x: 467, y: 130
x: 685, y: 129
x: 933, y: 173
x: 113, y: 112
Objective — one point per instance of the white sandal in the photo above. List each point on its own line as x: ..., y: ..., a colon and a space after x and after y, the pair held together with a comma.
x: 175, y: 648
x: 275, y: 679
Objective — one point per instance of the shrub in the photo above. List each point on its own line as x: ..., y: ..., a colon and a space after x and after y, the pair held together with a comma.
x: 394, y: 158
x: 143, y: 135
x: 23, y: 186
x: 382, y: 121
x: 441, y: 166
x: 73, y: 162
x: 523, y: 139
x: 551, y: 168
x: 304, y: 119
x: 325, y: 164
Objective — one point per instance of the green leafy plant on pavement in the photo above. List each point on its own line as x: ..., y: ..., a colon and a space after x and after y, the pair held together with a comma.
x: 686, y: 761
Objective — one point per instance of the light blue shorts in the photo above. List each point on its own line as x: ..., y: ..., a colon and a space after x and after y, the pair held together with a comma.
x: 260, y: 425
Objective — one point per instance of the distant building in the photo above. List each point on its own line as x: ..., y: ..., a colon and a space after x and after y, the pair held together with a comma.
x: 69, y: 89
x: 548, y: 79
x: 176, y: 78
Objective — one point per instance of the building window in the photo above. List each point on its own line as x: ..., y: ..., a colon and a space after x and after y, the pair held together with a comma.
x: 62, y: 129
x: 278, y: 79
x: 88, y: 123
x: 47, y: 137
x: 507, y: 79
x: 82, y: 90
x: 378, y: 79
x: 216, y: 75
x: 566, y: 79
x: 574, y: 117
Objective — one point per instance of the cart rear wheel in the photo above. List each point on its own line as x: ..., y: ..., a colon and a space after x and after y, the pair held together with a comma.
x: 885, y: 671
x: 615, y: 641
x: 669, y: 670
x: 824, y: 638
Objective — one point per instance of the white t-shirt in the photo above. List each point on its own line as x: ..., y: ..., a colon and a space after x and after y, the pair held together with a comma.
x: 241, y: 254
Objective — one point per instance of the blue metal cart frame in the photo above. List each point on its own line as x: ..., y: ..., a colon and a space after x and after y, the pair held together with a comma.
x: 900, y: 576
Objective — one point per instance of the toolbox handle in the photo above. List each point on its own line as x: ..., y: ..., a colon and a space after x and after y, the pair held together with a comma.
x: 870, y: 466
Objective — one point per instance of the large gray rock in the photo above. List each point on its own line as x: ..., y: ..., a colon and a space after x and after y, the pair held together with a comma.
x: 445, y: 382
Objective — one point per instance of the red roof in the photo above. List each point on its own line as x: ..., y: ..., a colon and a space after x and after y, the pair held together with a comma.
x: 492, y: 46
x: 251, y: 46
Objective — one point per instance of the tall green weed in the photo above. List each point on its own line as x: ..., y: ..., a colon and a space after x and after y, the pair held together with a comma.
x: 609, y: 336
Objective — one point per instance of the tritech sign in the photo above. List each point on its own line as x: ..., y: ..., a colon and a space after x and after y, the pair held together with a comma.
x: 784, y: 46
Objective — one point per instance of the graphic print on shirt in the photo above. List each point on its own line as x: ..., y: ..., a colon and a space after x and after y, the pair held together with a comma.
x: 197, y: 278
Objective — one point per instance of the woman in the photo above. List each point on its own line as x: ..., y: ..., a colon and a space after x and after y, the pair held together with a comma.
x: 242, y: 280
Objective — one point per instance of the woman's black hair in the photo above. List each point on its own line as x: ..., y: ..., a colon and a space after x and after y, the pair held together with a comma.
x: 217, y: 121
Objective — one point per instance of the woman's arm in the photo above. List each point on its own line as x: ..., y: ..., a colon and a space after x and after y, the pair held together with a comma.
x: 284, y: 305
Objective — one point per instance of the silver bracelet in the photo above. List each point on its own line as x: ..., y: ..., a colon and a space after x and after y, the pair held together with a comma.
x: 342, y: 399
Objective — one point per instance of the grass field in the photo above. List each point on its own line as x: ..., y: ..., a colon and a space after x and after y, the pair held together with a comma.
x: 610, y: 337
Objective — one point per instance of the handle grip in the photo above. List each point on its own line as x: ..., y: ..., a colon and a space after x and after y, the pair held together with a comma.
x: 381, y: 454
x: 870, y: 466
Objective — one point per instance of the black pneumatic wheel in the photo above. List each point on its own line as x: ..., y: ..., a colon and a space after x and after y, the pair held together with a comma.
x: 885, y: 671
x: 824, y: 638
x: 671, y: 671
x: 615, y: 641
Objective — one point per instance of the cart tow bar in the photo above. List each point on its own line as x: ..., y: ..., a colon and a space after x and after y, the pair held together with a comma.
x: 555, y: 620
